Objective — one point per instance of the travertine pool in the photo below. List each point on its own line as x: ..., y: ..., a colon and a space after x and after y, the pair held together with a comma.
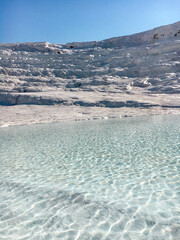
x: 104, y: 179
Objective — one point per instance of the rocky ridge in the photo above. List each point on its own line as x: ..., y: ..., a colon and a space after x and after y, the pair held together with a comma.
x: 140, y: 70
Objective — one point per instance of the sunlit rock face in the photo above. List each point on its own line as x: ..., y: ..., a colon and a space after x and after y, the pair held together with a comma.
x: 135, y: 70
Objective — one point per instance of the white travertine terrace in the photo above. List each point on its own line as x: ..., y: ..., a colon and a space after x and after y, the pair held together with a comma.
x: 130, y: 75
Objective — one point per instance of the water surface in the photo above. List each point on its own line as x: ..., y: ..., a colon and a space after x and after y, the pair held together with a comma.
x: 114, y: 179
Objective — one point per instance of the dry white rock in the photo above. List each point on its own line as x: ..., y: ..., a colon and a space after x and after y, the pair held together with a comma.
x: 139, y: 71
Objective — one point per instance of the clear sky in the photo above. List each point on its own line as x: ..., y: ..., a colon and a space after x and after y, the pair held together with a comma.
x: 61, y: 21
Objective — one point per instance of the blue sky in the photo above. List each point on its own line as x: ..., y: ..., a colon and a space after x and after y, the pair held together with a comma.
x: 61, y: 21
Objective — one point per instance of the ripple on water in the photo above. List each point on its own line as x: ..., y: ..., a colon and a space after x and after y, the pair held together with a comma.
x: 115, y: 179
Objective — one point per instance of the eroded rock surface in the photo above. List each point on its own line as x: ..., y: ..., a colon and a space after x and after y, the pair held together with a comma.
x: 140, y: 70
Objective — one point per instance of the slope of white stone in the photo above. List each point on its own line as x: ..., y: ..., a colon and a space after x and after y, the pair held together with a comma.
x: 130, y: 71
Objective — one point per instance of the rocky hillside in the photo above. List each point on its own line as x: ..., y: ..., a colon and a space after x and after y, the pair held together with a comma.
x: 140, y: 70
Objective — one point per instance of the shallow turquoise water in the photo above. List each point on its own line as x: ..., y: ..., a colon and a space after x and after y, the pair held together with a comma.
x: 114, y: 179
